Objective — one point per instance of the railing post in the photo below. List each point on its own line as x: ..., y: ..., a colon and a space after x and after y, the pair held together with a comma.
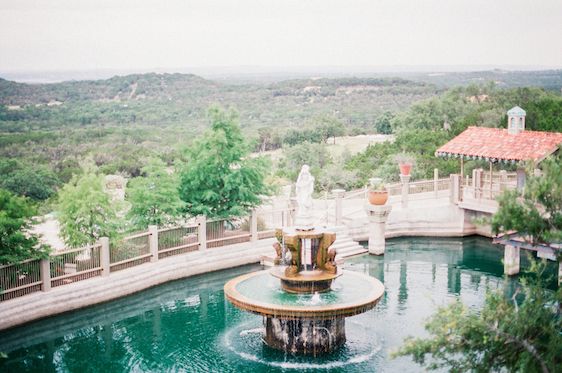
x: 503, y: 180
x: 435, y: 181
x: 521, y: 178
x: 405, y: 179
x: 339, y: 194
x: 104, y: 256
x: 455, y: 193
x: 202, y: 231
x: 477, y: 182
x: 254, y: 225
x: 153, y: 242
x: 45, y: 273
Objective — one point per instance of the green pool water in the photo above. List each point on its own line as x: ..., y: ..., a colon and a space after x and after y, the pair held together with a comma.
x: 188, y: 325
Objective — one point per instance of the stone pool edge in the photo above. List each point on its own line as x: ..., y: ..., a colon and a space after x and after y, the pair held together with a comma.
x: 97, y: 290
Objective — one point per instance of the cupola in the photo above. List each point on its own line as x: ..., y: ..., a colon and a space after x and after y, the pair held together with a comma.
x: 515, y: 120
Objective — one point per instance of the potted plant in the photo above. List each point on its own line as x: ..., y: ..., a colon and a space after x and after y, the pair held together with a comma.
x: 405, y: 162
x: 377, y: 195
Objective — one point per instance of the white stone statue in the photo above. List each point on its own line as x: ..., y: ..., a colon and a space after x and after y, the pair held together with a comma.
x: 304, y: 189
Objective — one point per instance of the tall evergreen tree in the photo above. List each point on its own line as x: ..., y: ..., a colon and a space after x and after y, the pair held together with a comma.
x: 86, y: 212
x: 220, y: 179
x: 154, y: 198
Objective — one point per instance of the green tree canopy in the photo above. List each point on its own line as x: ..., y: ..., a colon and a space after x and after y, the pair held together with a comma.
x: 383, y: 123
x: 219, y: 178
x: 503, y: 336
x: 313, y: 154
x: 537, y: 213
x: 34, y: 181
x: 86, y: 212
x: 154, y: 198
x: 16, y: 242
x: 327, y: 127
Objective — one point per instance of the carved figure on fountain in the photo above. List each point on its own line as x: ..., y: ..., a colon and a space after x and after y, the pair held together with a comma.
x: 330, y: 265
x: 328, y: 238
x: 293, y: 244
x: 278, y: 253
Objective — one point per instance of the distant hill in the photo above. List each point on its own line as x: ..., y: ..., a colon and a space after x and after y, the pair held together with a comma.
x: 163, y: 99
x: 118, y: 88
x: 547, y: 79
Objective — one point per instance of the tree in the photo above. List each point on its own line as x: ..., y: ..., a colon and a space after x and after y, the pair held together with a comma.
x: 503, y: 336
x: 220, y: 179
x: 314, y: 155
x: 326, y: 127
x: 155, y: 198
x: 86, y: 212
x: 16, y: 242
x: 33, y: 181
x: 537, y: 213
x: 507, y: 334
x: 383, y: 124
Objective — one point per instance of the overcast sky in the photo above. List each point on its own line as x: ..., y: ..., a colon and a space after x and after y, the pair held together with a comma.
x: 144, y: 34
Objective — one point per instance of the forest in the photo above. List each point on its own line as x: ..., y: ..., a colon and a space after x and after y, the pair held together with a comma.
x: 144, y: 127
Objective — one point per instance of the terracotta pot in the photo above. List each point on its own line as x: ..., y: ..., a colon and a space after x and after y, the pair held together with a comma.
x: 405, y: 168
x: 378, y: 197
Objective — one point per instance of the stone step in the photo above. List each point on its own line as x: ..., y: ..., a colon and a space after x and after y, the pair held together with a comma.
x: 350, y: 253
x: 344, y: 245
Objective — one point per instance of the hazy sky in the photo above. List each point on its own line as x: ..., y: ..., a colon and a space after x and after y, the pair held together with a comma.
x: 141, y: 34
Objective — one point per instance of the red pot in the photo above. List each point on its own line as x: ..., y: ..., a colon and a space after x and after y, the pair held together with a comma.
x: 405, y: 168
x: 378, y: 197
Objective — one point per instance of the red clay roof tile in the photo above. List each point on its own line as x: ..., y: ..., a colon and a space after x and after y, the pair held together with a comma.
x: 497, y: 144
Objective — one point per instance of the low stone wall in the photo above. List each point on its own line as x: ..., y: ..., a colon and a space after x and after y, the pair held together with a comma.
x: 119, y: 284
x: 437, y: 218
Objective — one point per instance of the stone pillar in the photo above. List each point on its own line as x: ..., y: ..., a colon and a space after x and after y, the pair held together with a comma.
x: 339, y: 194
x: 202, y: 232
x: 503, y: 180
x: 511, y: 260
x: 293, y: 214
x: 104, y: 256
x: 377, y: 226
x: 521, y: 179
x: 45, y: 273
x: 436, y: 181
x: 254, y: 225
x: 405, y: 179
x: 153, y: 242
x: 455, y: 191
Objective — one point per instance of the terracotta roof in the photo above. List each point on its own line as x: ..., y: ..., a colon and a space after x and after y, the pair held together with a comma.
x: 495, y: 144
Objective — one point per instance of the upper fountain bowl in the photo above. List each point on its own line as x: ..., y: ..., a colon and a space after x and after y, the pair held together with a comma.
x: 315, y: 281
x: 259, y: 292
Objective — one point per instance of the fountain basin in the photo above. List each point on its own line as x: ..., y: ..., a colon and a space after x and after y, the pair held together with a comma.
x: 310, y: 324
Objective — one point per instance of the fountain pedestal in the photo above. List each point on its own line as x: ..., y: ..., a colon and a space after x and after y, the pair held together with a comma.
x: 308, y: 336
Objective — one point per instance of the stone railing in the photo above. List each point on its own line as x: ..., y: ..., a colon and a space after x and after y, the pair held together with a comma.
x: 104, y: 257
x: 340, y: 206
x: 478, y: 186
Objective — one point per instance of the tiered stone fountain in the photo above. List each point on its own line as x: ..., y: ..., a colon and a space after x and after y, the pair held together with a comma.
x: 304, y: 314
